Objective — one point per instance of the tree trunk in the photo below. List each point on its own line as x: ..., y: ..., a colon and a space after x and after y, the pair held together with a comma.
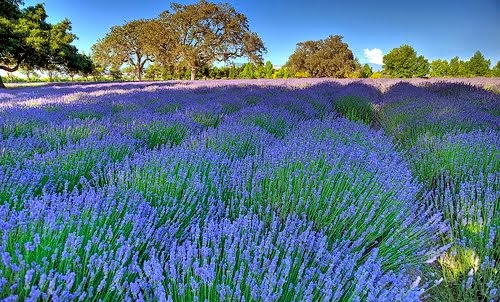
x: 139, y: 72
x: 193, y: 73
x: 1, y: 83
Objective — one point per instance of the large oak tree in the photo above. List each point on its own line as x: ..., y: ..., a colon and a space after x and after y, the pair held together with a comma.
x: 28, y: 40
x: 131, y: 43
x: 202, y: 33
x: 323, y: 58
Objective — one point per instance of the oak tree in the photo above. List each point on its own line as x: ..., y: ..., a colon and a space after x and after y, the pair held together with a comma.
x: 126, y: 44
x: 323, y: 58
x: 28, y: 40
x: 153, y: 71
x: 61, y: 56
x: 77, y: 63
x: 203, y: 33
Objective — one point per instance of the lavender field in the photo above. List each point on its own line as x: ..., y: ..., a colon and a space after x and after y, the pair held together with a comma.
x: 258, y: 190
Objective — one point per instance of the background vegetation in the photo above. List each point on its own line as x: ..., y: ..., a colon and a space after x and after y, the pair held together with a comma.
x: 203, y: 46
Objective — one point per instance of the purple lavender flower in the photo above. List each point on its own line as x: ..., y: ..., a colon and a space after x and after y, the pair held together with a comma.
x: 245, y: 190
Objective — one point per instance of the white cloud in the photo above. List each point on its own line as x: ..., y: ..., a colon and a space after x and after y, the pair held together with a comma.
x: 374, y: 56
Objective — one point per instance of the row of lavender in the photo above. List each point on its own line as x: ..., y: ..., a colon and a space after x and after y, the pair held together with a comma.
x: 226, y: 191
x: 450, y: 133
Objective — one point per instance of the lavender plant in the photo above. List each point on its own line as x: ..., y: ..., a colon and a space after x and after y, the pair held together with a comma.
x: 355, y: 109
x: 250, y: 191
x: 246, y: 260
x: 453, y: 149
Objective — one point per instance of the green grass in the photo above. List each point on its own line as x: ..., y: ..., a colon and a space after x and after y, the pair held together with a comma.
x: 458, y: 170
x: 58, y: 136
x: 321, y: 109
x: 14, y: 192
x: 408, y: 125
x: 122, y: 107
x: 473, y: 216
x: 230, y: 108
x: 252, y: 100
x: 7, y: 157
x: 495, y: 112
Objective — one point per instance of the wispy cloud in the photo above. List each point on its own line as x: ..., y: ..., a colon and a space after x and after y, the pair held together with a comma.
x: 374, y: 56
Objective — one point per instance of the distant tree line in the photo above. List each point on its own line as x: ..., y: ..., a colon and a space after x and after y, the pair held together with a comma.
x: 197, y: 41
x: 403, y: 62
x: 477, y: 65
x: 233, y: 71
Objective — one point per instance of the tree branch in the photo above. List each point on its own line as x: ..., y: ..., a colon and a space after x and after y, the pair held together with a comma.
x: 12, y: 69
x: 132, y: 63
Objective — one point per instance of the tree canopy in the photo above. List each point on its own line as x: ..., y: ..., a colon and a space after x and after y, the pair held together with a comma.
x: 367, y: 71
x: 186, y: 41
x: 323, y: 58
x: 439, y: 68
x: 496, y: 70
x: 403, y: 62
x: 195, y: 35
x: 129, y: 43
x: 78, y: 63
x: 202, y: 33
x: 27, y: 39
x: 478, y: 65
x: 457, y: 67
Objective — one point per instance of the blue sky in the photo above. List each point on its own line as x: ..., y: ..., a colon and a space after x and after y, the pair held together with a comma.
x: 435, y: 28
